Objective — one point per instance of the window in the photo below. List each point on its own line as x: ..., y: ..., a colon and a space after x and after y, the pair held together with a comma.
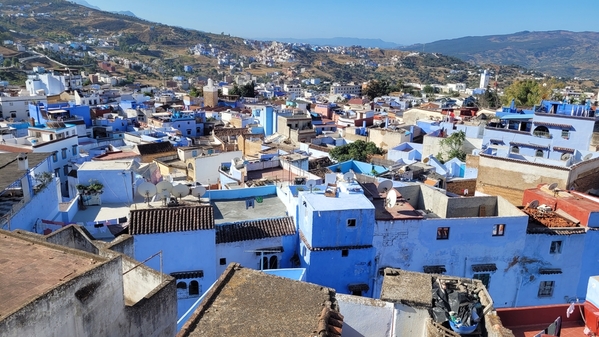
x: 556, y: 247
x: 303, y: 250
x: 539, y: 153
x: 485, y: 278
x: 565, y: 134
x: 74, y: 149
x: 498, y: 229
x: 442, y: 233
x: 351, y: 222
x: 182, y: 285
x: 223, y: 261
x: 188, y: 132
x: 546, y: 288
x: 54, y: 157
x: 65, y: 170
x: 344, y: 252
x: 194, y: 288
x: 274, y: 262
x: 13, y: 114
x: 264, y: 263
x: 515, y: 149
x: 57, y: 172
x: 64, y: 153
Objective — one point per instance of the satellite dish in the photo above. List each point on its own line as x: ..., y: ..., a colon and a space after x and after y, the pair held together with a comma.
x: 533, y: 204
x: 588, y: 156
x: 310, y: 184
x: 180, y: 191
x: 566, y: 156
x: 391, y: 199
x: 385, y: 186
x: 164, y: 186
x: 552, y: 186
x: 426, y: 160
x: 147, y: 190
x: 349, y: 177
x: 198, y: 191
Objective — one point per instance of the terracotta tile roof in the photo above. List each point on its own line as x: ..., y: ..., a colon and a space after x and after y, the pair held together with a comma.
x: 153, y: 148
x: 247, y: 302
x: 254, y: 230
x: 563, y: 149
x: 171, y: 219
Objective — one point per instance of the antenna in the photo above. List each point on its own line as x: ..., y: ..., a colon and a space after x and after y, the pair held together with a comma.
x: 552, y: 186
x: 349, y: 177
x: 391, y: 199
x: 385, y: 186
x: 147, y: 190
x: 180, y: 190
x: 310, y: 184
x: 588, y: 156
x: 533, y: 204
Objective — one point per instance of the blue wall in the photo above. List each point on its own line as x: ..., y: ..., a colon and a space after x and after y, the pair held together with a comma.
x: 181, y: 251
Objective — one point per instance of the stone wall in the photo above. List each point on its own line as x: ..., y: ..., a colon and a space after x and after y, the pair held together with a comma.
x: 458, y: 186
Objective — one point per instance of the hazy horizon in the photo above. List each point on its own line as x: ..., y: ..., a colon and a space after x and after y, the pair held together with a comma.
x: 390, y: 21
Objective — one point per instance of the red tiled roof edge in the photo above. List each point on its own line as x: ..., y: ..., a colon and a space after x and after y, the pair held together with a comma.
x: 330, y: 322
x: 212, y: 294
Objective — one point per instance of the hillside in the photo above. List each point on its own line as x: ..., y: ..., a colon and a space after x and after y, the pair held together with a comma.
x: 164, y: 50
x: 559, y: 53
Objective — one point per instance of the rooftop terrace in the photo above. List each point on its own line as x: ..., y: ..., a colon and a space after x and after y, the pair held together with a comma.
x: 32, y: 268
x: 226, y: 211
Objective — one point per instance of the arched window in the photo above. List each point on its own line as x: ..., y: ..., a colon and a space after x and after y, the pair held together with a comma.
x: 274, y: 262
x: 181, y: 285
x: 265, y: 263
x: 194, y: 288
x: 515, y: 149
x: 541, y: 131
x: 539, y: 153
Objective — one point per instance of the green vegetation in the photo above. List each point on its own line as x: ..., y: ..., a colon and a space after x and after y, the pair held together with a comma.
x: 358, y: 150
x: 452, y: 147
x: 246, y: 90
x: 526, y: 93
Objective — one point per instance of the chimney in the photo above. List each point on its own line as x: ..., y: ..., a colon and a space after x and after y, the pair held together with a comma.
x: 23, y: 162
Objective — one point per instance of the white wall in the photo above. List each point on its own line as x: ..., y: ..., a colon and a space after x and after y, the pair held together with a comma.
x: 365, y: 317
x: 206, y: 168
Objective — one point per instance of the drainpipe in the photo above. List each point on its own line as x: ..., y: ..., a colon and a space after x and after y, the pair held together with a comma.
x: 517, y: 292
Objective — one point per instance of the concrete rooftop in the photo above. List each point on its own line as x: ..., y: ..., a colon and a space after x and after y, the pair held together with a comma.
x: 226, y: 211
x: 345, y: 201
x: 31, y: 268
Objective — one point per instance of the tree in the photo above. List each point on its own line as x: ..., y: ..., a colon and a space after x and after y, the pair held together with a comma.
x: 358, y: 150
x: 428, y: 89
x: 377, y: 88
x: 489, y: 99
x: 451, y: 147
x: 194, y: 92
x: 246, y: 90
x: 526, y: 93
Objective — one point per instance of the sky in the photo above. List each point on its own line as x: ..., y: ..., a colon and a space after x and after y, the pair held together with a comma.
x: 399, y: 21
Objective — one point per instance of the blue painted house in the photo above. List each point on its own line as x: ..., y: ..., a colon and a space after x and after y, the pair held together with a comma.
x: 554, y: 130
x: 336, y: 226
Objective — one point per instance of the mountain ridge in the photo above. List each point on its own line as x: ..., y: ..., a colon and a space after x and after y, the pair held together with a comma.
x: 339, y: 42
x: 557, y: 52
